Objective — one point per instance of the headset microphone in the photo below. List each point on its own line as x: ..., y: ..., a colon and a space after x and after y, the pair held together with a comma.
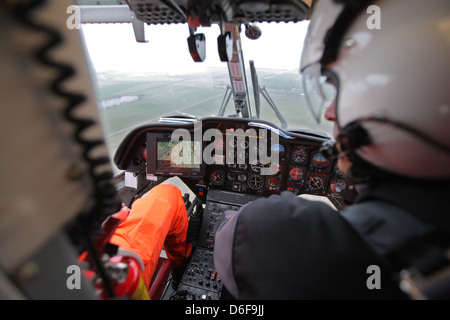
x: 350, y: 138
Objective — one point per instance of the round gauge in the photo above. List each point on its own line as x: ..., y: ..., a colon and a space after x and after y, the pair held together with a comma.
x: 299, y: 155
x: 243, y: 166
x: 217, y: 178
x: 338, y: 185
x: 256, y: 166
x: 296, y: 174
x: 277, y: 148
x: 231, y: 176
x: 244, y: 143
x: 320, y: 161
x: 242, y: 156
x: 242, y: 177
x: 258, y: 146
x: 272, y: 181
x: 274, y: 168
x: 315, y: 183
x: 255, y: 181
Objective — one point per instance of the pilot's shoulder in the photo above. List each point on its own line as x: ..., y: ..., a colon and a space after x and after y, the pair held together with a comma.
x: 290, y: 213
x: 287, y: 204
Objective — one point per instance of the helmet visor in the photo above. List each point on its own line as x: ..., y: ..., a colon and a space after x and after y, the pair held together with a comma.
x: 320, y: 92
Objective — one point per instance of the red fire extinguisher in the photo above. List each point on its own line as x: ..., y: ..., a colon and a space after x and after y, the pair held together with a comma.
x: 126, y: 279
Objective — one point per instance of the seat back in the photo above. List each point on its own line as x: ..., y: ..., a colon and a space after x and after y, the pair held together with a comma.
x: 159, y: 279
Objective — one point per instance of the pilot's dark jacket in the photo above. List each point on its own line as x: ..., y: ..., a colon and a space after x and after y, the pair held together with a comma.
x: 288, y: 247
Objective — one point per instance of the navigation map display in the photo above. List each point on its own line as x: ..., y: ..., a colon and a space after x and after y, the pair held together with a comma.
x: 174, y: 158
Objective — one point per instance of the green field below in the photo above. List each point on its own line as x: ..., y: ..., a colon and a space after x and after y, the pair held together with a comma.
x: 200, y: 95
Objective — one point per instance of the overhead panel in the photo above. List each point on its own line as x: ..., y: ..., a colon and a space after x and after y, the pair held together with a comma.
x: 159, y: 12
x: 213, y: 11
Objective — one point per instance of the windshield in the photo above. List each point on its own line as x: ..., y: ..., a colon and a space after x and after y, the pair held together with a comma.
x: 137, y: 83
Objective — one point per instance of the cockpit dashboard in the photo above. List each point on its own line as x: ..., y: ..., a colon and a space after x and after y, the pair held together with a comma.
x: 236, y: 155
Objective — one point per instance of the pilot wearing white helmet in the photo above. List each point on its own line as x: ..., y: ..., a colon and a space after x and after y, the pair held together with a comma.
x: 387, y: 91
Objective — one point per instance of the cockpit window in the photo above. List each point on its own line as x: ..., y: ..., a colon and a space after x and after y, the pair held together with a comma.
x: 137, y: 83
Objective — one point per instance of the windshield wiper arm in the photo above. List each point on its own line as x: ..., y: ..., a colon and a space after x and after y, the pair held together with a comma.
x: 257, y: 90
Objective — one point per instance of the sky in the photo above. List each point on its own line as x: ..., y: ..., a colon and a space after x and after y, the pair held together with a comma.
x: 113, y: 47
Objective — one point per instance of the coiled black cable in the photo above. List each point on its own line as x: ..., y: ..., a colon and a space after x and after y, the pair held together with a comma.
x: 105, y: 199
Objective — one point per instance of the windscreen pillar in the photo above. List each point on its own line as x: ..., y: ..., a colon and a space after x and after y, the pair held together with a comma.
x: 236, y: 70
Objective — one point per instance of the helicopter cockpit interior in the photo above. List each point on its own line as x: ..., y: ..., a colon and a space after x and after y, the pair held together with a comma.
x: 226, y: 160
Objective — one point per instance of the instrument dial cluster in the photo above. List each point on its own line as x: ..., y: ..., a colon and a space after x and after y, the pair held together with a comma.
x: 265, y: 168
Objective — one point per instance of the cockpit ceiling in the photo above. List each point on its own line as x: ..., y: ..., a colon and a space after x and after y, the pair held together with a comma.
x: 100, y: 2
x: 208, y: 12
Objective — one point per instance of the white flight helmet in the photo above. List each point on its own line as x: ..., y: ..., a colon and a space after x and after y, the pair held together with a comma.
x: 393, y: 82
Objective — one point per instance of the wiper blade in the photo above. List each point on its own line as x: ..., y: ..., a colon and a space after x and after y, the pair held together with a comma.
x: 178, y: 118
x: 258, y: 90
x: 269, y: 127
x: 310, y: 133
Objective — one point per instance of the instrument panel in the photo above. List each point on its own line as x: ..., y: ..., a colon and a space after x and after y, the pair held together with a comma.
x: 238, y: 155
x: 300, y: 168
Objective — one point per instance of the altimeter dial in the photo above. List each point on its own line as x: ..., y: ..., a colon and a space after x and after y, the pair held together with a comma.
x: 299, y: 155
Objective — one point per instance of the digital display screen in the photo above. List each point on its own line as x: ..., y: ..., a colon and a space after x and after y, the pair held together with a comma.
x: 178, y: 155
x: 174, y: 158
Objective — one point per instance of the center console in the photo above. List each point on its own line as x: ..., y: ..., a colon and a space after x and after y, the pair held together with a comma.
x: 200, y: 280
